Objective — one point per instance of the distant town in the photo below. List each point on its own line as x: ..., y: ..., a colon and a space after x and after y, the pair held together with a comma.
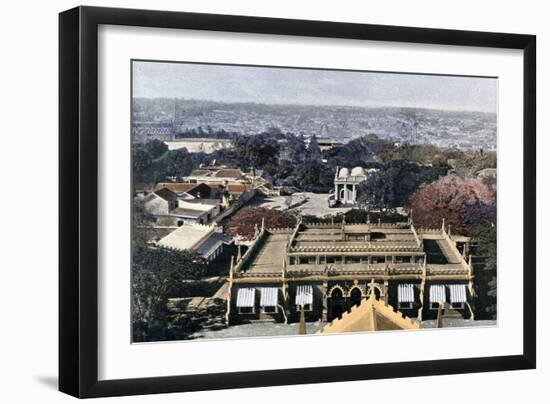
x: 261, y: 220
x: 162, y: 118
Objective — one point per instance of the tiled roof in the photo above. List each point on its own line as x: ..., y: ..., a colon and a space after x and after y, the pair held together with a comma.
x: 238, y: 188
x: 186, y: 186
x: 228, y: 173
x: 166, y: 194
x: 176, y: 186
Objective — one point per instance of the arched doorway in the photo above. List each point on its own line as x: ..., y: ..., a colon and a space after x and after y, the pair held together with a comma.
x: 337, y: 303
x: 343, y: 193
x: 376, y: 289
x: 355, y: 297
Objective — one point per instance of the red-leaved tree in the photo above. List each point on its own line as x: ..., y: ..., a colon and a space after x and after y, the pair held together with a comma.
x: 461, y: 202
x: 243, y: 223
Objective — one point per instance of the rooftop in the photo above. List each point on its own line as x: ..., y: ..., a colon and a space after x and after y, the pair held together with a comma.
x: 212, y: 243
x: 328, y: 243
x: 238, y: 188
x: 187, y: 186
x: 166, y: 194
x: 371, y: 315
x: 217, y: 172
x: 197, y: 205
x: 356, y: 236
x: 188, y: 213
x: 229, y: 173
x: 186, y: 237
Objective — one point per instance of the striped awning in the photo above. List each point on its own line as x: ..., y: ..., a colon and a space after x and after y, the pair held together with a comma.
x: 304, y: 295
x: 245, y: 297
x: 437, y: 294
x: 458, y: 293
x: 405, y: 293
x: 268, y: 297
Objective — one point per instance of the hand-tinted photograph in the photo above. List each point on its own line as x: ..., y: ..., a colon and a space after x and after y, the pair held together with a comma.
x: 285, y: 201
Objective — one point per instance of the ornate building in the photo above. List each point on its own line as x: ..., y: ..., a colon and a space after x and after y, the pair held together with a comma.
x: 346, y: 183
x: 329, y: 268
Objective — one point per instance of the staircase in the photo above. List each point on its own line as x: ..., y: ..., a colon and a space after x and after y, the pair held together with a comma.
x: 449, y: 312
x: 448, y: 251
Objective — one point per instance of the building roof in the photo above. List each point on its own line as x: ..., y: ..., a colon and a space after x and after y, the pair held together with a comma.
x: 186, y: 237
x: 357, y: 172
x: 228, y: 173
x: 204, y: 201
x: 189, y: 187
x: 199, y: 172
x: 212, y: 243
x: 371, y: 315
x: 238, y: 188
x: 166, y: 194
x: 177, y: 187
x: 350, y: 237
x: 343, y: 173
x: 328, y: 140
x: 187, y: 213
x: 195, y: 204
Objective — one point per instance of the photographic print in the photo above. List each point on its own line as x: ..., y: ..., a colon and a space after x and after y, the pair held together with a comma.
x: 273, y: 201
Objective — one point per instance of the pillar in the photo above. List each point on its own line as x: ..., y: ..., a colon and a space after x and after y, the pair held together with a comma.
x: 421, y: 298
x: 324, y: 315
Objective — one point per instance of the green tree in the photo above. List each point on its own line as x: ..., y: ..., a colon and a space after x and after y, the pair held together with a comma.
x: 314, y: 176
x: 484, y: 250
x: 157, y: 275
x: 313, y: 150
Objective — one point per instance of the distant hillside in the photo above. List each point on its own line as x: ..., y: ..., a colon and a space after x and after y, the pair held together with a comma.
x: 464, y: 130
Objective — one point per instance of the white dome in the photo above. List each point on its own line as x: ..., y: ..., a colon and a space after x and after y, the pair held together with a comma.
x: 358, y: 172
x: 343, y: 173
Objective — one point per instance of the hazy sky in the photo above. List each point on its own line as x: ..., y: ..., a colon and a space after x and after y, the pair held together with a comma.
x: 312, y: 87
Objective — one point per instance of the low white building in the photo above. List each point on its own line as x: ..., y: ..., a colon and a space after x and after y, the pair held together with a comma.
x: 188, y: 212
x: 172, y: 209
x: 160, y: 202
x: 204, y: 239
x: 216, y: 175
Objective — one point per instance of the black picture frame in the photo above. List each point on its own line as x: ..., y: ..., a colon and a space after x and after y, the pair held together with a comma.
x: 78, y: 196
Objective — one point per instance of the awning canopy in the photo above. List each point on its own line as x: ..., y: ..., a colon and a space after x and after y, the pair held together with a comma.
x: 245, y: 297
x: 458, y: 293
x: 437, y: 294
x: 304, y: 295
x: 268, y: 297
x: 405, y: 293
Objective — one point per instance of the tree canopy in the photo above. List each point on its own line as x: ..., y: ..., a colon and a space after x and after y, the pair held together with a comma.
x: 460, y: 201
x: 244, y: 222
x: 157, y: 275
x: 393, y: 184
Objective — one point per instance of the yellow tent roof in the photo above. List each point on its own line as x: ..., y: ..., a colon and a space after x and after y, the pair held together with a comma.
x: 371, y: 315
